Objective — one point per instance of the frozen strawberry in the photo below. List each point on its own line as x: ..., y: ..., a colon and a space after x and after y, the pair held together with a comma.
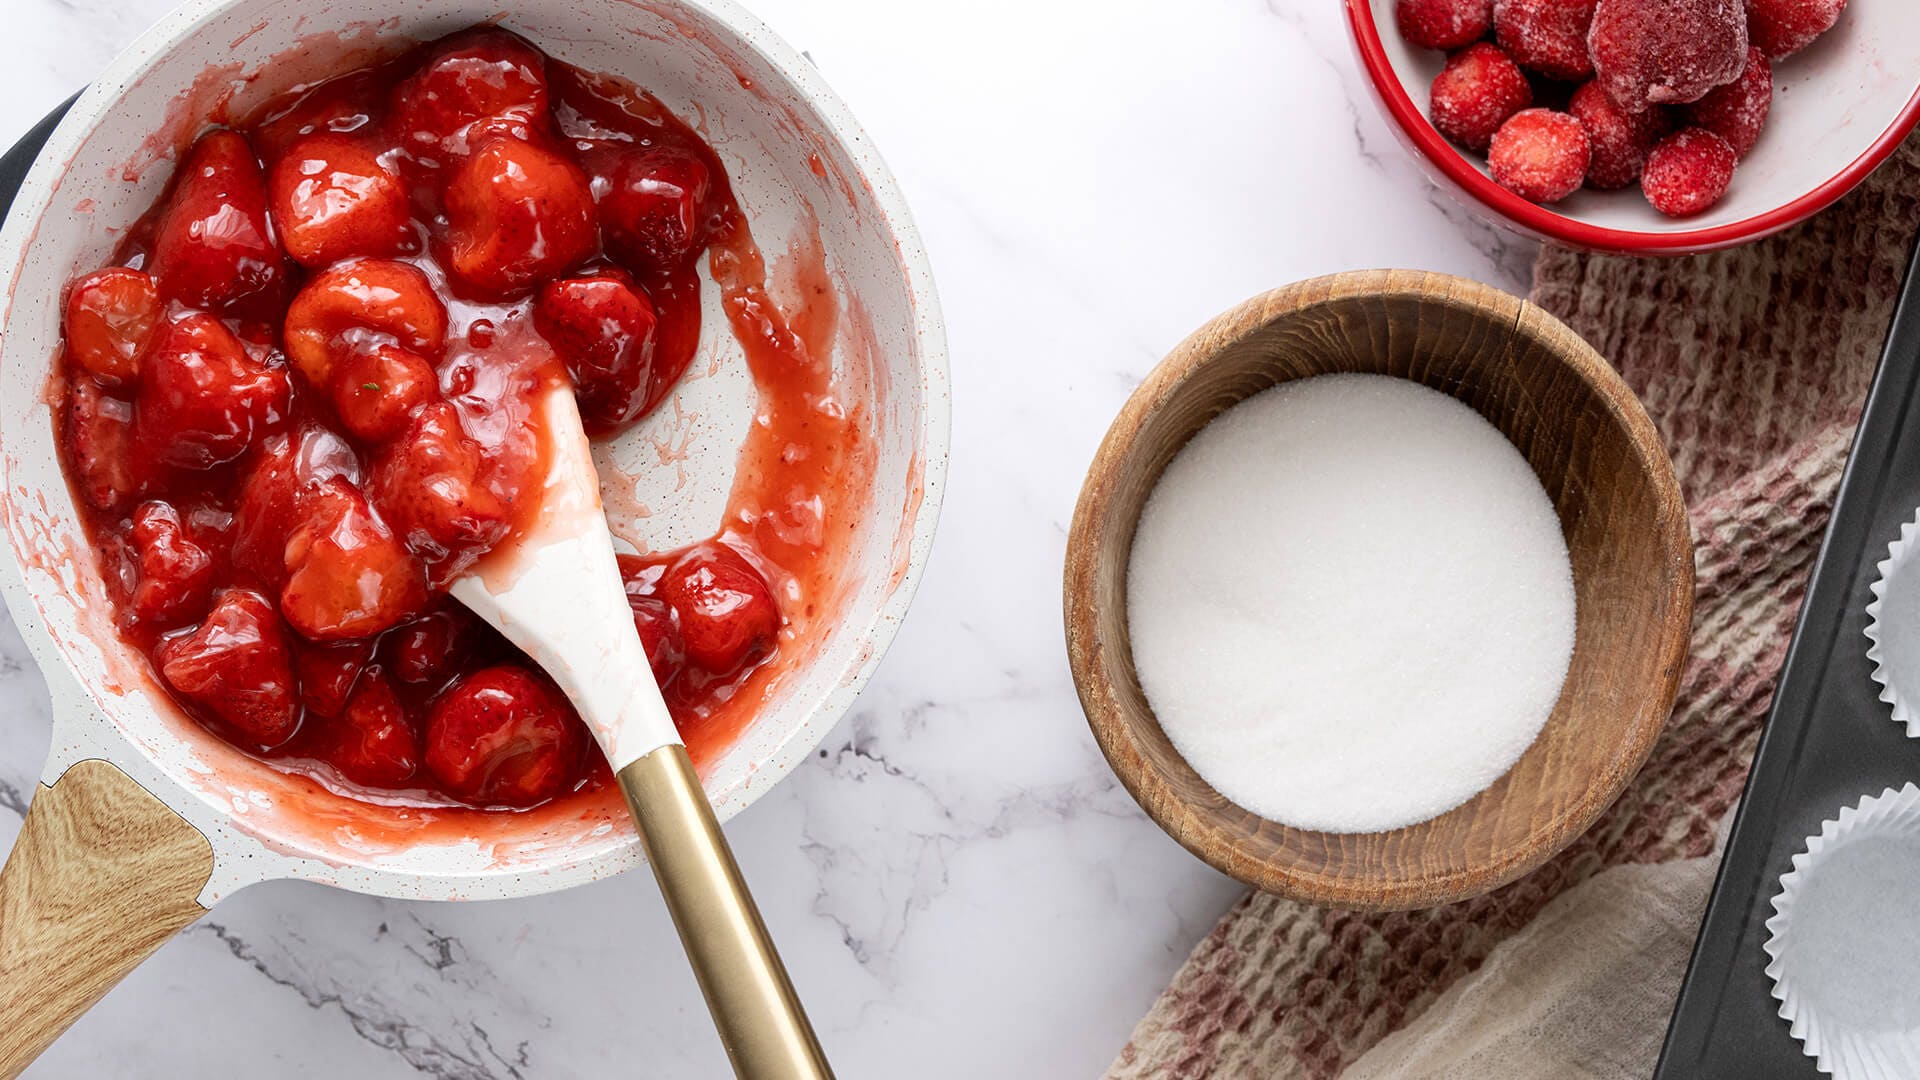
x: 215, y: 248
x: 504, y: 736
x: 517, y: 214
x: 1443, y: 24
x: 175, y: 573
x: 203, y: 398
x: 111, y: 318
x: 1548, y: 37
x: 333, y: 198
x: 1620, y: 140
x: 1666, y: 52
x: 1540, y: 155
x: 1688, y: 172
x: 237, y: 668
x: 359, y: 305
x: 1783, y: 27
x: 1479, y: 89
x: 603, y: 329
x: 99, y: 443
x: 428, y: 484
x: 329, y: 671
x: 1738, y: 111
x: 487, y: 78
x: 376, y: 393
x: 348, y: 574
x: 726, y: 610
x: 372, y: 742
x: 426, y: 648
x: 654, y: 206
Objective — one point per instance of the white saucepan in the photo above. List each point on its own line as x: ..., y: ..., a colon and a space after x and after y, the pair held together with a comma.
x: 143, y: 821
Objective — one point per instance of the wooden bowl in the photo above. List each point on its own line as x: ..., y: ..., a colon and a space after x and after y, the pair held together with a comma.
x: 1611, y: 483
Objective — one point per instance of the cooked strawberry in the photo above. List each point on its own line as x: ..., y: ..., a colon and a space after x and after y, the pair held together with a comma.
x: 280, y: 478
x: 504, y: 736
x: 659, y: 628
x: 175, y: 573
x: 204, y: 399
x: 333, y: 198
x: 340, y: 106
x: 215, y: 248
x: 358, y: 305
x: 329, y: 671
x: 726, y: 610
x: 348, y: 574
x: 485, y: 77
x: 372, y: 742
x: 428, y: 484
x: 654, y: 206
x: 111, y: 318
x: 517, y: 214
x: 99, y: 437
x: 427, y: 647
x: 653, y: 618
x: 236, y: 667
x: 376, y: 393
x: 603, y: 329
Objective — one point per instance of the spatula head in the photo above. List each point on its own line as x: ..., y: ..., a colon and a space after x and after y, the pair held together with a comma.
x: 554, y: 590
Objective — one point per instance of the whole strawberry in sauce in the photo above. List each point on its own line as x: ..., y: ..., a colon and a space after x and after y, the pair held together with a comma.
x: 603, y: 328
x: 204, y: 398
x: 215, y: 247
x: 333, y: 197
x: 237, y: 666
x: 504, y: 737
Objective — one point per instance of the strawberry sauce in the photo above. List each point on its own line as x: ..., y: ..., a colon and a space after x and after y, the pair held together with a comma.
x: 301, y: 402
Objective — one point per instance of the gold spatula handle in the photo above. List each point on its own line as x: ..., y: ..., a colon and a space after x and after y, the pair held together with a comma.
x: 759, y: 1016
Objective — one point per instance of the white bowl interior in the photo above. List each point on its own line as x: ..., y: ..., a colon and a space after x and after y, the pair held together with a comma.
x: 1832, y: 101
x: 762, y: 109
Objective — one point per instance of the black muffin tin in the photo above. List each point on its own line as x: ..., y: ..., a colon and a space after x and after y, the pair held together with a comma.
x: 1828, y: 741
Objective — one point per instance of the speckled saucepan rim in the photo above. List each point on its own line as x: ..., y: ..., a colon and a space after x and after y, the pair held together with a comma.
x: 81, y: 728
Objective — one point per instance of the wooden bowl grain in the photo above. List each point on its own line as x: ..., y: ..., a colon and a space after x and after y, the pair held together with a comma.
x: 1611, y: 482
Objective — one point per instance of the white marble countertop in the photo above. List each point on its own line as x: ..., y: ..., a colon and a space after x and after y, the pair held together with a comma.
x: 958, y: 883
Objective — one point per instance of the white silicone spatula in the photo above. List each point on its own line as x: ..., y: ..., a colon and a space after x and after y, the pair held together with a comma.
x: 554, y: 590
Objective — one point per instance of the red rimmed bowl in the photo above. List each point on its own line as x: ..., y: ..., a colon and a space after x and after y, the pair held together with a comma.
x: 1841, y: 107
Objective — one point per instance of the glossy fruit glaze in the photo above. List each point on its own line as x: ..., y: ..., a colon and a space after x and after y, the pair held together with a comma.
x: 300, y: 403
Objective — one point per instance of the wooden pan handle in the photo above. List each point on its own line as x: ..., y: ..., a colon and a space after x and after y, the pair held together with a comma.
x: 102, y: 875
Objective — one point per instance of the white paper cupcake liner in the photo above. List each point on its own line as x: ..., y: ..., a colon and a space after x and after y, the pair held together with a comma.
x: 1843, y: 944
x: 1893, y: 628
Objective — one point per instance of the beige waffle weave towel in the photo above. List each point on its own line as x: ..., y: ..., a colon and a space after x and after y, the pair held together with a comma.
x: 1754, y: 364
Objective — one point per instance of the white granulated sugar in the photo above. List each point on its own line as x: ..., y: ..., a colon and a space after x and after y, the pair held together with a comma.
x: 1350, y: 602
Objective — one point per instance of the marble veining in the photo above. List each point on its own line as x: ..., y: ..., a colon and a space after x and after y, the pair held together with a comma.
x: 959, y: 884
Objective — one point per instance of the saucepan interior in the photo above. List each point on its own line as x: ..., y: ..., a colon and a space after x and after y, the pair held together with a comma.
x: 816, y: 195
